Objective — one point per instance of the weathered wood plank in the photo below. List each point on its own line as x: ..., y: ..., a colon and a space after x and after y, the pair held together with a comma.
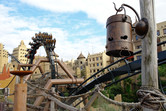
x: 149, y: 65
x: 149, y: 46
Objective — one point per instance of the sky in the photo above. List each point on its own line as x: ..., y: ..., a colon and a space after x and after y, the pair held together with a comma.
x: 77, y: 25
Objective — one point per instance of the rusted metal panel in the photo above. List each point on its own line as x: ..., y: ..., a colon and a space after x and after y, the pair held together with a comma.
x: 119, y: 36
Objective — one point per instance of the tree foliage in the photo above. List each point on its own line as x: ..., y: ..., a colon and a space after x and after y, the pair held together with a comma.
x: 162, y: 70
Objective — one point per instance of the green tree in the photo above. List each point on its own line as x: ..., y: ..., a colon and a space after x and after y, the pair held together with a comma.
x: 162, y: 70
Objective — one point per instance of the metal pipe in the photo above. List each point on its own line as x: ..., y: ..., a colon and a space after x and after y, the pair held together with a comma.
x: 66, y: 70
x: 56, y: 82
x: 33, y: 68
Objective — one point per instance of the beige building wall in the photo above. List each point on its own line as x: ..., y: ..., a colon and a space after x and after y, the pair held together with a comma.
x: 46, y: 68
x: 80, y: 62
x: 3, y: 57
x: 97, y: 61
x: 20, y: 52
x: 161, y: 33
x: 44, y: 65
x: 94, y: 63
x: 70, y: 63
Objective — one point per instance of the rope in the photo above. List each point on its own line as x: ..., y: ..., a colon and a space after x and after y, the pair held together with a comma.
x: 29, y: 106
x: 151, y: 98
x: 59, y: 103
x: 123, y: 104
x: 54, y: 94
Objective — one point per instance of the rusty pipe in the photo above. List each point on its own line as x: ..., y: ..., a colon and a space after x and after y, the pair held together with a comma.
x: 66, y: 70
x: 46, y: 60
x: 56, y: 82
x: 33, y: 68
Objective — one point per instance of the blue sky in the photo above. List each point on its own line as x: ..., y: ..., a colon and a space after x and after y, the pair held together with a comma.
x: 77, y: 25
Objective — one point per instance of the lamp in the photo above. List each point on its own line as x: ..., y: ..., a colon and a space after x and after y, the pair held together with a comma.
x: 119, y: 32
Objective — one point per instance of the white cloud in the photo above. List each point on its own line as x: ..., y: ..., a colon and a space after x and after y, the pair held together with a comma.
x: 14, y: 29
x: 96, y: 9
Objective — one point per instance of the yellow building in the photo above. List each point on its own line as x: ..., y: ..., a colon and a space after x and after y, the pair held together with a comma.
x: 19, y: 53
x: 3, y: 57
x: 44, y: 65
x: 97, y: 61
x: 93, y: 63
x: 81, y: 61
x: 7, y: 83
x: 161, y: 33
x: 161, y: 36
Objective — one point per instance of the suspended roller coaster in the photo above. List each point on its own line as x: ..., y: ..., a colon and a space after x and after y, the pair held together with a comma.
x: 82, y: 88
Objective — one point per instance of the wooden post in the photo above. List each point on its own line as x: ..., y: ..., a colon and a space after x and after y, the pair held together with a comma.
x: 20, y: 97
x: 52, y: 104
x: 91, y: 101
x: 20, y: 94
x: 149, y: 65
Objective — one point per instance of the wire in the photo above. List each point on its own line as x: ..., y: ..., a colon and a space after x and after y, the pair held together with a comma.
x: 10, y: 82
x: 14, y: 75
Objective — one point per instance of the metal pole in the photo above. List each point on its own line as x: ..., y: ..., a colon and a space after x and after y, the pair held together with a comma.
x: 149, y: 65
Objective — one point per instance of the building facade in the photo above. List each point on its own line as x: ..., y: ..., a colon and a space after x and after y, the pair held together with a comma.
x: 97, y: 61
x: 81, y: 62
x: 161, y: 36
x: 161, y: 33
x: 92, y: 64
x: 19, y: 52
x: 3, y: 57
x: 6, y: 79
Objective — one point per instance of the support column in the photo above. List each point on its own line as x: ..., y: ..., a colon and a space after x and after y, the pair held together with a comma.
x: 149, y: 65
x: 20, y: 94
x: 20, y: 97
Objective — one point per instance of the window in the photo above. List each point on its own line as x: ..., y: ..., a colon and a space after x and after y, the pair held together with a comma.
x: 7, y: 91
x: 97, y: 64
x: 158, y: 32
x: 93, y: 59
x: 101, y: 64
x: 93, y: 65
x: 81, y: 62
x: 89, y: 59
x: 97, y: 58
x: 94, y: 70
x: 100, y: 58
x: 164, y: 31
x: 139, y: 46
x: 136, y: 37
x: 138, y: 57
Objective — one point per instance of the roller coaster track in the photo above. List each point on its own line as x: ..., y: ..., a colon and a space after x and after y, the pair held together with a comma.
x: 132, y: 68
x: 43, y: 39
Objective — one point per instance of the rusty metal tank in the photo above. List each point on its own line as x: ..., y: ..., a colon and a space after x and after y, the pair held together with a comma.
x: 119, y: 36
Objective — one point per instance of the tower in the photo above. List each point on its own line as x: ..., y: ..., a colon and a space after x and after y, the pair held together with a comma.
x: 3, y: 56
x: 19, y: 52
